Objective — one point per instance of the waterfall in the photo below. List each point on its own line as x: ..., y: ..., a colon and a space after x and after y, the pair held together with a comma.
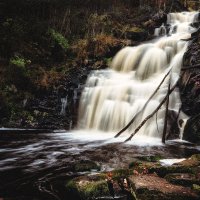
x: 63, y: 105
x: 112, y: 97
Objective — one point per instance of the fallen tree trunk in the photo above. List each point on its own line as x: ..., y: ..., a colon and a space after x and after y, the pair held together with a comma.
x: 152, y: 114
x: 132, y: 120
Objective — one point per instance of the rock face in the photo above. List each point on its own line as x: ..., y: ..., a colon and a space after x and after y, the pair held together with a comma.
x: 192, y: 130
x: 190, y: 88
x: 153, y: 187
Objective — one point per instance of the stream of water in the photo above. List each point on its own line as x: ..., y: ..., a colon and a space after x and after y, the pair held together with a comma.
x: 37, y: 166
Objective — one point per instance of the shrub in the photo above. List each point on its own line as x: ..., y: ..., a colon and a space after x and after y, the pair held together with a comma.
x: 18, y: 61
x: 59, y: 39
x: 100, y: 46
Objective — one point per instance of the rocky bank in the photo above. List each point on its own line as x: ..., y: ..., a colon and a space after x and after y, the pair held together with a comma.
x: 142, y: 180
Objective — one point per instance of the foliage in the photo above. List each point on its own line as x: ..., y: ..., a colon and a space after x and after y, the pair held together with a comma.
x: 59, y: 39
x: 98, y: 24
x: 196, y: 187
x: 99, y: 46
x: 18, y: 61
x: 136, y: 29
x: 95, y: 189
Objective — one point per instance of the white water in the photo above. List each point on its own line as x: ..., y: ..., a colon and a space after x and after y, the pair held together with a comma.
x: 169, y: 162
x: 63, y: 105
x: 111, y: 98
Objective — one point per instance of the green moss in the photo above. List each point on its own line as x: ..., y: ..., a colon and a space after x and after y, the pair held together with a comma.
x: 186, y: 180
x: 135, y: 164
x: 94, y: 189
x: 164, y: 170
x: 121, y: 173
x: 18, y: 61
x: 196, y: 157
x: 59, y: 39
x: 196, y: 187
x: 72, y: 190
x: 108, y: 61
x: 85, y: 189
x: 136, y: 29
x: 150, y: 158
x: 86, y: 165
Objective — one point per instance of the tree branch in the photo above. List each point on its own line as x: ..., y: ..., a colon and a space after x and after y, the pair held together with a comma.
x: 133, y: 119
x: 152, y: 114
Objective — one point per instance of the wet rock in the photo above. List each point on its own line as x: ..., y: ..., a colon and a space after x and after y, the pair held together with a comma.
x: 148, y: 187
x: 87, y: 187
x: 186, y: 180
x: 192, y: 130
x: 152, y: 158
x: 190, y: 88
x: 136, y: 34
x: 155, y: 22
x: 86, y: 165
x: 189, y: 166
x: 196, y: 188
x: 173, y: 131
x: 100, y: 186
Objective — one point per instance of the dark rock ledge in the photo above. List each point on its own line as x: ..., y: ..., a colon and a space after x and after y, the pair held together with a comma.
x: 143, y: 180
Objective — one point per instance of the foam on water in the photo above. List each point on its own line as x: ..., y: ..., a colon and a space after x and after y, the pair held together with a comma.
x: 169, y: 162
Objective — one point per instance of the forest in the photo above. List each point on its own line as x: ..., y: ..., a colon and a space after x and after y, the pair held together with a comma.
x: 43, y: 43
x: 99, y: 99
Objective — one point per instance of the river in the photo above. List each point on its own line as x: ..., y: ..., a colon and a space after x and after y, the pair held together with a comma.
x: 37, y: 166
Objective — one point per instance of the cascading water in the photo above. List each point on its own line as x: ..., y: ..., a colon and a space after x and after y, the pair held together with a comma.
x: 63, y: 105
x: 111, y: 98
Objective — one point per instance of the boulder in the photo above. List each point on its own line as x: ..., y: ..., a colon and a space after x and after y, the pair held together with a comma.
x: 184, y: 179
x: 136, y: 34
x: 99, y: 186
x: 148, y: 187
x: 192, y: 130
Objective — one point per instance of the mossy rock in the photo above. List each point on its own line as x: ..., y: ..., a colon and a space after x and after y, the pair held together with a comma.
x: 155, y: 158
x: 196, y: 188
x: 134, y: 164
x: 192, y: 129
x: 196, y: 157
x: 121, y: 173
x: 136, y: 34
x: 184, y: 179
x: 162, y: 171
x: 137, y: 29
x: 87, y: 187
x: 152, y: 187
x: 86, y: 165
x: 93, y: 190
x: 72, y: 190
